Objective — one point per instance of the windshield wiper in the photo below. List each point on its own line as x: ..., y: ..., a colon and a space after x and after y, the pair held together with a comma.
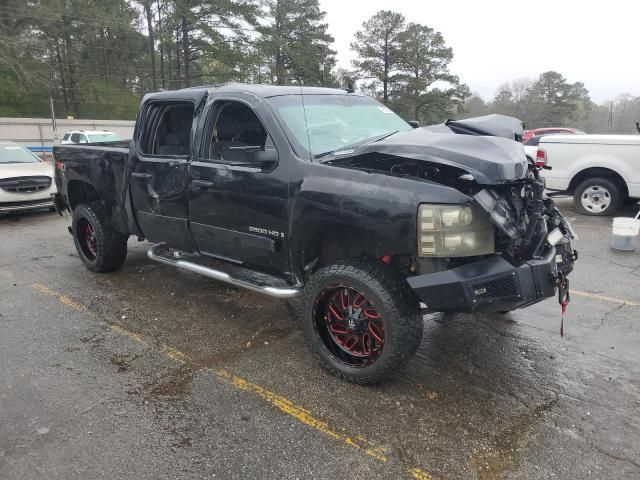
x: 361, y: 143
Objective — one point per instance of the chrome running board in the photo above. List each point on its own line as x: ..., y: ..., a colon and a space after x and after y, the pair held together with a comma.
x: 160, y: 253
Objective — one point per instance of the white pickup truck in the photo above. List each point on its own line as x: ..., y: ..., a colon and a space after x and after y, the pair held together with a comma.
x: 600, y: 171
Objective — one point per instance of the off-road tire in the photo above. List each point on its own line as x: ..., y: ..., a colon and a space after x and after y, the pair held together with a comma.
x: 110, y: 245
x: 613, y: 189
x: 394, y: 301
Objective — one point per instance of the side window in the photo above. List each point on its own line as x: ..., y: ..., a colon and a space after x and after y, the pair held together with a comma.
x: 83, y: 139
x: 167, y: 129
x: 235, y: 134
x: 75, y: 137
x: 66, y: 136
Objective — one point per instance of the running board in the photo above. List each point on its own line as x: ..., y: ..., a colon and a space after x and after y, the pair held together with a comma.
x: 160, y: 253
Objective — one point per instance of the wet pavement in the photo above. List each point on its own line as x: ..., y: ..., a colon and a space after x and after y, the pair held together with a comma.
x: 151, y: 372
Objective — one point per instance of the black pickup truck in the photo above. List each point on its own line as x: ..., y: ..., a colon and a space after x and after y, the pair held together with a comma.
x: 330, y: 197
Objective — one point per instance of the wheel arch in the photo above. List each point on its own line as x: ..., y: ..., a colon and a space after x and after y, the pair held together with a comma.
x: 320, y: 247
x: 598, y: 172
x: 79, y: 192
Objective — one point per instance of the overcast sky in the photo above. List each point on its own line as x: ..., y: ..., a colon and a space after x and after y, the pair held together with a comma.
x: 593, y: 41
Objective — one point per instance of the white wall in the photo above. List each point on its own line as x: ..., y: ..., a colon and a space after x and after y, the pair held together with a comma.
x: 38, y: 132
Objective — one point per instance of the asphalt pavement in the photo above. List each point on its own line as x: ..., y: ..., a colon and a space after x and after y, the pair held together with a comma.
x: 153, y: 373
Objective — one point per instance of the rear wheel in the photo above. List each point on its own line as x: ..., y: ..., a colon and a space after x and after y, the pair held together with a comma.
x: 361, y: 321
x: 597, y: 196
x: 101, y: 248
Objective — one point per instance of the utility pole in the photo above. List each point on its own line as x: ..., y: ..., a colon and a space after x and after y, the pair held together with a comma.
x: 610, y: 116
x: 54, y: 126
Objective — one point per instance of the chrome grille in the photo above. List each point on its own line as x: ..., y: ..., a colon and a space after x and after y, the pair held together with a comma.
x: 25, y: 184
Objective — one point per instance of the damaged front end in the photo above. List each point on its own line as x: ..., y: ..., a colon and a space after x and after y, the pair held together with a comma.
x: 533, y: 254
x: 509, y: 247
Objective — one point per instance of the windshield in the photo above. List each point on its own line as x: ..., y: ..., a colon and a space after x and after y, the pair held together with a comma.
x: 16, y: 154
x: 103, y: 137
x: 333, y: 122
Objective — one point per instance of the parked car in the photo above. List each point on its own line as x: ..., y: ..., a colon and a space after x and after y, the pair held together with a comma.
x: 329, y: 198
x: 89, y: 136
x: 600, y: 171
x: 551, y: 131
x: 26, y: 182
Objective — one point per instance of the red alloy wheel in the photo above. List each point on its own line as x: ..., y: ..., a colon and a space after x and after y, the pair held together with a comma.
x: 349, y: 325
x: 90, y: 239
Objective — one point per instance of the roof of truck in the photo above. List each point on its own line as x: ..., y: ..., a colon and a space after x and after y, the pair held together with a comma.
x: 259, y: 90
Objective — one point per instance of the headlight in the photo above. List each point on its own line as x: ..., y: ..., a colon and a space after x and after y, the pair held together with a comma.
x: 454, y: 231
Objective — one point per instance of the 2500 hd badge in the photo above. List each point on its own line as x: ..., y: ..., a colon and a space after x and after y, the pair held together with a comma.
x: 369, y: 219
x: 265, y: 231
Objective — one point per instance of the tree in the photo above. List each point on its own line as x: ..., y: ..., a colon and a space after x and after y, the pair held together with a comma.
x: 426, y: 90
x: 475, y: 106
x: 295, y: 43
x: 378, y: 46
x: 555, y: 102
x: 512, y: 98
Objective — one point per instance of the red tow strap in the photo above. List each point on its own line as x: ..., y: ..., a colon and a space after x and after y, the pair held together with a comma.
x: 563, y: 298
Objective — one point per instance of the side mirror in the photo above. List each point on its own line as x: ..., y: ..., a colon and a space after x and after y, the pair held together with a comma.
x: 266, y: 157
x: 414, y: 123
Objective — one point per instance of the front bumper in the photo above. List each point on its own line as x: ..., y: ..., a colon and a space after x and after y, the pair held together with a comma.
x: 492, y: 284
x: 8, y: 207
x: 17, y: 202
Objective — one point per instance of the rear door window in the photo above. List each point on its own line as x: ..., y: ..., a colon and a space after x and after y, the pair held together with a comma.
x: 166, y: 129
x: 75, y: 137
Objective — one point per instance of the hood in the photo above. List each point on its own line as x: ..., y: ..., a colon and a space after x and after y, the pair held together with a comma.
x: 493, y: 125
x: 489, y: 159
x: 12, y: 170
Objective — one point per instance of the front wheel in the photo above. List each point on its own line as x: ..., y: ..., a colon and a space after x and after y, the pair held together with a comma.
x: 101, y: 248
x: 597, y: 196
x: 361, y: 321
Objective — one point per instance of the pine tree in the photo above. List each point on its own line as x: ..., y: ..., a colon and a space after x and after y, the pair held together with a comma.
x: 426, y: 90
x: 378, y: 48
x: 295, y: 42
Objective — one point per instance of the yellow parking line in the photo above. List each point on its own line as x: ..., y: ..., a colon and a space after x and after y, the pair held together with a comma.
x: 174, y: 354
x: 304, y: 416
x: 131, y: 335
x: 280, y: 402
x: 604, y: 298
x: 63, y: 298
x: 420, y: 474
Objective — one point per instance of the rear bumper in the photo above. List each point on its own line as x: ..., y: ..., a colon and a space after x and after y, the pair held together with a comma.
x: 493, y: 284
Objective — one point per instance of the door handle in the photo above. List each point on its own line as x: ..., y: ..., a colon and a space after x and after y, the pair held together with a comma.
x: 202, y: 183
x: 142, y: 176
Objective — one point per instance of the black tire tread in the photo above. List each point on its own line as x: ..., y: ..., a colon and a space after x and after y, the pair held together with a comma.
x: 112, y: 245
x: 394, y: 292
x: 613, y: 187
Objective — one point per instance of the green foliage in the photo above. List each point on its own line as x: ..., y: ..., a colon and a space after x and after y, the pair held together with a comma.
x: 407, y: 66
x: 548, y: 101
x: 426, y: 91
x: 378, y: 47
x: 97, y: 58
x: 554, y: 101
x: 294, y: 43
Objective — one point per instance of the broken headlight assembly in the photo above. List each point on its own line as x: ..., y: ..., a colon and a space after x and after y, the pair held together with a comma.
x: 454, y: 231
